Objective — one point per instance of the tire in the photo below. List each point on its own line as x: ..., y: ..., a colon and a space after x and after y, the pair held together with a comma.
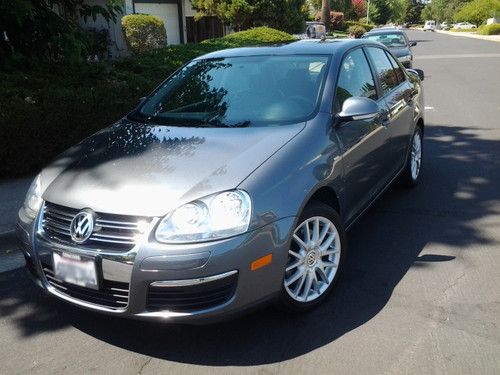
x: 317, y: 264
x: 410, y: 177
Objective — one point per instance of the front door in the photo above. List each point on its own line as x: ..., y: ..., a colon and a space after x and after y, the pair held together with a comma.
x: 364, y: 142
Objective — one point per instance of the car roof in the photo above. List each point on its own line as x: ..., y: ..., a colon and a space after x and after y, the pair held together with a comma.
x: 300, y: 47
x: 384, y: 31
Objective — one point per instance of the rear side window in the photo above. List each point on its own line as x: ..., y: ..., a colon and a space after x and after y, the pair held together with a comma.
x: 397, y: 68
x: 355, y: 79
x: 385, y: 72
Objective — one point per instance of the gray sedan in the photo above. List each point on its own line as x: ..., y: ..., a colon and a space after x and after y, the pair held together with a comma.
x: 230, y: 185
x: 396, y: 41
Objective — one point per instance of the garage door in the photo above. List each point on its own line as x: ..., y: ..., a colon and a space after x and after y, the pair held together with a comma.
x: 168, y: 13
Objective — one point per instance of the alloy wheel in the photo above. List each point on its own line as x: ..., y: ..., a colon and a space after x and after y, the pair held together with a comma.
x: 416, y: 155
x: 313, y: 259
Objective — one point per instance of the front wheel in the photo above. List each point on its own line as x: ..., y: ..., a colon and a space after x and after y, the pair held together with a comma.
x: 315, y: 258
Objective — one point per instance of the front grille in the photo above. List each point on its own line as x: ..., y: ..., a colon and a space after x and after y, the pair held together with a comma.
x: 111, y: 232
x: 193, y: 297
x: 112, y: 294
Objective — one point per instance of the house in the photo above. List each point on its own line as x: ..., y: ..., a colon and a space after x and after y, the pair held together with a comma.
x: 178, y: 16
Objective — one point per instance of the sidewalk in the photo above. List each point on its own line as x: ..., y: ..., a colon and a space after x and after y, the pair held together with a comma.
x: 493, y: 38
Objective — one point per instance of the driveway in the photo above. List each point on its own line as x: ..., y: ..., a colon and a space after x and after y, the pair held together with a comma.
x: 420, y: 294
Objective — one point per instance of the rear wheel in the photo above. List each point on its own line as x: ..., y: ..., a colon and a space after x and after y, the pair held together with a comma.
x: 411, y: 173
x: 315, y: 258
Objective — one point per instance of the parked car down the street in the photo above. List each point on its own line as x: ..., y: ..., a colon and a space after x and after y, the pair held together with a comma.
x: 396, y: 41
x: 430, y: 25
x: 464, y: 26
x: 232, y: 184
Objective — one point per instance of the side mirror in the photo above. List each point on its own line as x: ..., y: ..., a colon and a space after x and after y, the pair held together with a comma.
x: 413, y: 43
x: 357, y: 108
x: 418, y: 72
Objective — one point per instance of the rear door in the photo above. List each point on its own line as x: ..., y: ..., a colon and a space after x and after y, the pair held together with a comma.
x: 364, y: 142
x: 397, y: 96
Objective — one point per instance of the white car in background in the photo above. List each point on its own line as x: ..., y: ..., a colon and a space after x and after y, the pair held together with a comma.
x: 464, y: 25
x: 430, y: 26
x: 444, y: 26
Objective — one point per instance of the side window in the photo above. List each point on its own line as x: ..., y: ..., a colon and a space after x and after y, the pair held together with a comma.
x: 386, y: 74
x: 397, y: 68
x: 355, y: 79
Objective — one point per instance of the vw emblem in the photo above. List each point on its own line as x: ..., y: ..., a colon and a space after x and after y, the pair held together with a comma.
x: 82, y: 226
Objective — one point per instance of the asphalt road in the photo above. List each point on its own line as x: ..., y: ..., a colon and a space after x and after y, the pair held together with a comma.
x: 420, y: 294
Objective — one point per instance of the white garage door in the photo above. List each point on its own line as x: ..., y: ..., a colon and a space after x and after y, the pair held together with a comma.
x: 168, y: 13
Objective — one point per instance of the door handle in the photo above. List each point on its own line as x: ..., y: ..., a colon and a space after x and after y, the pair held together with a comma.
x: 384, y: 118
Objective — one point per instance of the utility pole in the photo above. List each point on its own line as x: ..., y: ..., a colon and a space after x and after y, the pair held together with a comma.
x: 368, y: 12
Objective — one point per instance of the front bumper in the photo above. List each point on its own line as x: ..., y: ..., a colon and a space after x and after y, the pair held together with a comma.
x: 135, y: 283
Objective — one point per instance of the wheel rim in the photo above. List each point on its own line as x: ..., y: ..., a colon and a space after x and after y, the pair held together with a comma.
x: 416, y: 155
x: 313, y: 259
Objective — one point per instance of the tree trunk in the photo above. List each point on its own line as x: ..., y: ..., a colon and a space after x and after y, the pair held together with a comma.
x: 325, y: 13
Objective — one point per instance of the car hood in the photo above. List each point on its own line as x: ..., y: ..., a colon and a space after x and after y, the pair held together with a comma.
x: 149, y: 170
x: 399, y: 52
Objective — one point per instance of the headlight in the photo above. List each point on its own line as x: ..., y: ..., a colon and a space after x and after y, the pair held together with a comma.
x: 33, y: 200
x: 405, y: 58
x: 217, y: 216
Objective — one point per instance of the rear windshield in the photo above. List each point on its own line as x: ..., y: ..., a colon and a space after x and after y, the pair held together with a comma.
x: 394, y: 40
x: 238, y: 92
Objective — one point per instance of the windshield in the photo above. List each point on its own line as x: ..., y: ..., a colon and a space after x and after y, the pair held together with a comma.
x: 394, y: 40
x: 238, y: 92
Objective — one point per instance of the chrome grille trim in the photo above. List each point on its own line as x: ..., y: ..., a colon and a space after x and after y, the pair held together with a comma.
x: 111, y: 232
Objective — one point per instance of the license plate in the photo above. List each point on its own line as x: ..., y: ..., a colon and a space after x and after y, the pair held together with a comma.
x: 76, y: 270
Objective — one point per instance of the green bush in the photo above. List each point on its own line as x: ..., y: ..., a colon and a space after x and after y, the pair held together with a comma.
x: 463, y: 30
x: 47, y: 107
x: 257, y: 35
x: 493, y: 29
x: 356, y: 31
x: 366, y: 26
x: 144, y: 32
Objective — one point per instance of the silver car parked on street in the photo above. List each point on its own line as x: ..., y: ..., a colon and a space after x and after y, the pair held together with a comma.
x: 233, y: 183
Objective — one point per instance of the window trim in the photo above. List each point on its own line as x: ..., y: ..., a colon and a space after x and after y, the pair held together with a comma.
x: 384, y: 95
x: 337, y: 76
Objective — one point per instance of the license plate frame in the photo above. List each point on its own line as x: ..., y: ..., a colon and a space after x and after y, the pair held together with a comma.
x: 75, y: 270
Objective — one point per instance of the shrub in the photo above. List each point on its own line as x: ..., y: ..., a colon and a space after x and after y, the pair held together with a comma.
x: 463, y: 30
x: 143, y: 32
x: 493, y: 29
x: 258, y: 35
x: 366, y: 26
x: 336, y: 20
x: 356, y: 31
x: 47, y: 107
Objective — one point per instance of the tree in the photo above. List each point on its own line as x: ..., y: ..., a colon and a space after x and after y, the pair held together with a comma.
x: 325, y: 13
x: 477, y: 11
x: 413, y: 11
x: 286, y: 15
x: 384, y: 12
x: 33, y: 28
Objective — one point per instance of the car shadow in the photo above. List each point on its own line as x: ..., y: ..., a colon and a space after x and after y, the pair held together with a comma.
x: 459, y: 183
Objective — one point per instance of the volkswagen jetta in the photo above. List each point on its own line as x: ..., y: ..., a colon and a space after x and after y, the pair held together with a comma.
x: 231, y: 184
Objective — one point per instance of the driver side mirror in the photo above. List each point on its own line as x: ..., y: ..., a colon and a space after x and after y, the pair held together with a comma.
x: 413, y: 43
x: 357, y: 108
x: 418, y: 72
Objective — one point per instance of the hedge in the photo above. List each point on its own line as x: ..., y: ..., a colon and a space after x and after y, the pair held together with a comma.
x: 356, y: 31
x: 144, y: 32
x: 45, y: 108
x: 493, y: 29
x: 366, y: 26
x: 257, y: 35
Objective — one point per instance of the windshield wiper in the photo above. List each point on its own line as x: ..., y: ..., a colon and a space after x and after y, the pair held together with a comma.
x: 216, y: 123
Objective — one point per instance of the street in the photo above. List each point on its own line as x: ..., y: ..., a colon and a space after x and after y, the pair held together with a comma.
x: 420, y: 294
